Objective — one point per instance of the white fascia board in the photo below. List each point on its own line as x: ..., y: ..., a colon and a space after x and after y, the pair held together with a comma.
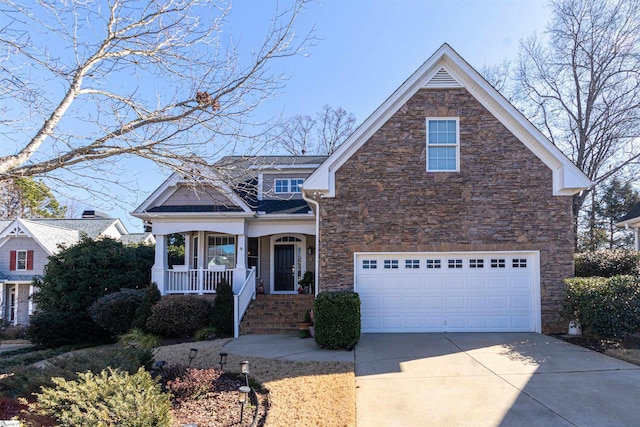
x: 630, y: 223
x: 151, y: 216
x: 280, y: 168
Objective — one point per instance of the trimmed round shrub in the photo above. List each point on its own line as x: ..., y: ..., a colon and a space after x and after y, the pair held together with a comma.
x: 111, y: 398
x: 55, y: 329
x: 608, y: 307
x: 608, y: 263
x: 180, y: 315
x: 337, y: 319
x: 151, y: 296
x: 223, y: 309
x: 115, y: 312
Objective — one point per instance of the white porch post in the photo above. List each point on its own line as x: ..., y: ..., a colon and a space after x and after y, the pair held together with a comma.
x: 240, y: 272
x: 637, y: 239
x: 187, y: 250
x: 202, y: 259
x: 161, y: 262
x: 2, y: 300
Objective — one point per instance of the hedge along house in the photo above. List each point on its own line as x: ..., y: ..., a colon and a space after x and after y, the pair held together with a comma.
x: 26, y: 244
x: 446, y: 210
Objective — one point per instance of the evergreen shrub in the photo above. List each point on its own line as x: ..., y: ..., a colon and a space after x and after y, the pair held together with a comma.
x: 337, y: 319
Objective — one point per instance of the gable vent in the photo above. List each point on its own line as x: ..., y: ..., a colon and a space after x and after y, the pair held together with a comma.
x: 442, y: 79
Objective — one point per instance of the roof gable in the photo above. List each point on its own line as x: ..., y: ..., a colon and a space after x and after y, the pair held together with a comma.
x: 446, y: 69
x: 632, y: 218
x: 49, y: 237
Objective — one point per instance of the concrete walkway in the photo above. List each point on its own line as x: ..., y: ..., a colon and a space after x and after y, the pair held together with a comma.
x: 498, y: 379
x: 286, y: 347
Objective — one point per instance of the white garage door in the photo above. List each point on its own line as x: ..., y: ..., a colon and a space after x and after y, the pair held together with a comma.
x: 449, y: 292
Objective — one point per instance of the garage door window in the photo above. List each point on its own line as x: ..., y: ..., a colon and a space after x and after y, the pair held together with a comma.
x: 455, y: 263
x: 390, y: 263
x: 433, y: 263
x: 519, y: 263
x: 476, y: 263
x: 412, y: 263
x: 369, y: 264
x: 497, y: 263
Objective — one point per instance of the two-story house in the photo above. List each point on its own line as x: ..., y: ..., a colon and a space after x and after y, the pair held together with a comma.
x: 26, y: 244
x: 446, y: 210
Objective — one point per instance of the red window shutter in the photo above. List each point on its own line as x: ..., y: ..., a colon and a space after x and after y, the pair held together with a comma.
x: 29, y: 260
x: 12, y: 261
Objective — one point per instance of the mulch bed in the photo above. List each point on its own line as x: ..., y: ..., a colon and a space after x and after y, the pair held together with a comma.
x: 601, y: 345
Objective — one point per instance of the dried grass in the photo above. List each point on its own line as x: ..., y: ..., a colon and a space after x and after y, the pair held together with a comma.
x: 300, y: 393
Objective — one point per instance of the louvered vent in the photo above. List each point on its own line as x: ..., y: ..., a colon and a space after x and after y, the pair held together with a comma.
x: 442, y: 79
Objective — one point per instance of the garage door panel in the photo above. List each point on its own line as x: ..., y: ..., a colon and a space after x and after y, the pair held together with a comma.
x: 483, y: 292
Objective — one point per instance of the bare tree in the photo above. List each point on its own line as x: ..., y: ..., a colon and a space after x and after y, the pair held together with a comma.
x: 83, y: 84
x: 302, y: 135
x: 580, y: 84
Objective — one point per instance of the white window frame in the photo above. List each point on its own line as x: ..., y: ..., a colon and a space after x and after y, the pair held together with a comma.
x: 283, y: 182
x: 298, y: 182
x: 456, y: 145
x: 18, y: 260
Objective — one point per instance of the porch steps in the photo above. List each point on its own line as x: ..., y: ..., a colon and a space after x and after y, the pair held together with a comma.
x: 275, y: 314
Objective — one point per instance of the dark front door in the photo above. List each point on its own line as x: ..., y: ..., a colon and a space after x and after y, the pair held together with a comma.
x: 283, y: 268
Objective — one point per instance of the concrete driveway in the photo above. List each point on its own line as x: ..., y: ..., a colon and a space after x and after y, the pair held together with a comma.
x: 490, y: 379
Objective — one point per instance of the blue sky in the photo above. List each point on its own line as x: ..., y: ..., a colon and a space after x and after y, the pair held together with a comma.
x: 364, y: 51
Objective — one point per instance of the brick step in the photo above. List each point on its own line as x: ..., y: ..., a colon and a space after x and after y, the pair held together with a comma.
x: 275, y: 314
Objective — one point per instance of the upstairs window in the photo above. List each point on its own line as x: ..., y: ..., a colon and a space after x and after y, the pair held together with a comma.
x: 21, y: 260
x: 443, y: 147
x: 281, y: 186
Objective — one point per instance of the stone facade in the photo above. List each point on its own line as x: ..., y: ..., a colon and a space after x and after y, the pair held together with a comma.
x: 501, y: 200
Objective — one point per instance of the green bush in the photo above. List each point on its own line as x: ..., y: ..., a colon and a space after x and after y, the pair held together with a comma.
x: 180, y: 315
x: 55, y: 329
x: 223, y: 309
x: 111, y: 398
x: 607, y: 263
x: 337, y: 319
x: 140, y: 339
x: 116, y: 311
x: 27, y: 380
x: 151, y: 296
x: 608, y: 307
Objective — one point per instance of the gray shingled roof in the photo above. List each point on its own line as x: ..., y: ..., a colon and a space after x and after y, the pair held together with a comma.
x: 633, y: 213
x: 92, y: 227
x: 51, y: 236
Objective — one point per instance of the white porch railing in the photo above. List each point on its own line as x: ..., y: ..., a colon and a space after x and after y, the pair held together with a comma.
x: 197, y: 281
x: 242, y: 299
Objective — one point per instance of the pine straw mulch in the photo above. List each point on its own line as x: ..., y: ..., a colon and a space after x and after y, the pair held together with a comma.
x: 291, y: 393
x: 627, y: 349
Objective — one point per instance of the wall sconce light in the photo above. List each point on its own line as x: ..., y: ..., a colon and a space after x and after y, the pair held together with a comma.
x: 244, y: 369
x: 223, y: 359
x: 243, y: 396
x: 192, y: 354
x: 310, y: 250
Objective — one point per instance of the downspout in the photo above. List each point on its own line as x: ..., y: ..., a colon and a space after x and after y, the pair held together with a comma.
x: 317, y: 257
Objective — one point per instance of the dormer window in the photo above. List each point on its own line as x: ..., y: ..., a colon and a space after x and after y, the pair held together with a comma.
x: 287, y: 185
x: 281, y: 186
x: 443, y: 145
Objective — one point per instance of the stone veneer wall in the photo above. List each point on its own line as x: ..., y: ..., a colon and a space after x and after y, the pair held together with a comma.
x: 501, y: 199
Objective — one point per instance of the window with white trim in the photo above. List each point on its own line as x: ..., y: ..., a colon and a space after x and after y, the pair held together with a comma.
x: 454, y: 263
x: 519, y: 263
x: 497, y: 263
x: 281, y: 186
x: 443, y: 145
x: 21, y: 260
x: 476, y: 263
x: 295, y: 185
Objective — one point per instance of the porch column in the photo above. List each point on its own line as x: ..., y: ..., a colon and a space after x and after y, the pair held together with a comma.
x: 187, y: 250
x: 3, y: 295
x: 638, y: 239
x: 240, y: 272
x: 161, y: 262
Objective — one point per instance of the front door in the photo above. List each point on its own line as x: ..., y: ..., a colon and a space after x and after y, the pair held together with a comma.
x: 283, y: 268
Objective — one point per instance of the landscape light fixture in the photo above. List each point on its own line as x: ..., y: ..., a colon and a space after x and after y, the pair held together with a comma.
x: 244, y: 369
x: 223, y: 359
x: 192, y: 355
x: 243, y: 396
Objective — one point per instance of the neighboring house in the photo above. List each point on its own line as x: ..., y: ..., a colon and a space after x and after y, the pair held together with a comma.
x: 26, y: 244
x: 632, y: 221
x: 446, y: 210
